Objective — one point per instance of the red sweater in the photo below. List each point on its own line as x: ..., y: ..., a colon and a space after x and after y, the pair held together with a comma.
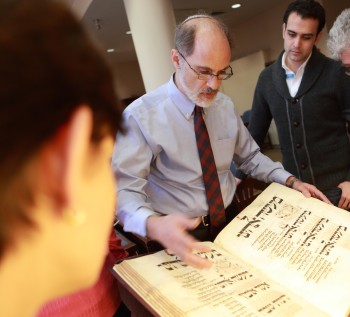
x: 101, y: 300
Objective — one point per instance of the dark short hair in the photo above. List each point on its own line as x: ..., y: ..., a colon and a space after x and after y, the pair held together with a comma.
x: 185, y: 33
x: 307, y: 9
x: 48, y: 67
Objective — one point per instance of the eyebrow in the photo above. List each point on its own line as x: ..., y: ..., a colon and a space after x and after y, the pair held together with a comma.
x: 210, y: 69
x: 302, y: 34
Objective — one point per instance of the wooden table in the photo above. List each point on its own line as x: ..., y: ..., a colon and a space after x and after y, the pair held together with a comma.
x: 137, y: 306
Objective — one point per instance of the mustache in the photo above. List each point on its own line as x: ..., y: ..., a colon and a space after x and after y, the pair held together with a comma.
x: 209, y: 91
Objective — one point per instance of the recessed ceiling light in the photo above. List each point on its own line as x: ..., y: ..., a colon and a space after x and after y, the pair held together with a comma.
x: 236, y: 6
x: 128, y: 32
x: 110, y: 50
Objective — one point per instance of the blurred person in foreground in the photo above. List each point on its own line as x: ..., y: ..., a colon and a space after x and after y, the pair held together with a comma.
x: 58, y: 118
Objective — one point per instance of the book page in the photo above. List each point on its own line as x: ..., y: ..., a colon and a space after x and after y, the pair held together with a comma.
x: 302, y: 243
x: 229, y: 288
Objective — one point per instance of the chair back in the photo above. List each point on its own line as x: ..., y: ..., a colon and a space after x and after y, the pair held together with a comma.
x: 247, y: 191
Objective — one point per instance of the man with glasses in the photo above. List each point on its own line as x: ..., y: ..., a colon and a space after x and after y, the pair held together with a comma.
x: 161, y: 193
x: 307, y: 94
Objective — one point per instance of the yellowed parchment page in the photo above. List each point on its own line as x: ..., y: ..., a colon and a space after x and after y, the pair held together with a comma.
x: 229, y: 288
x: 302, y: 243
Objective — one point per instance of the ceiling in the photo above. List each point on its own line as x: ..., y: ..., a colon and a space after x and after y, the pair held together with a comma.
x: 108, y: 21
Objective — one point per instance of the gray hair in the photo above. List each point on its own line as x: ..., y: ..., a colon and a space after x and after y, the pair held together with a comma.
x: 185, y: 32
x: 339, y: 34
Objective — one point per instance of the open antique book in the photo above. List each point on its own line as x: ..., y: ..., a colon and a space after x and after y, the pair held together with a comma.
x: 284, y: 255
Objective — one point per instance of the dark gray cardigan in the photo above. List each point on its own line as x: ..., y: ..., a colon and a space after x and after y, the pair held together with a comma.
x: 311, y: 128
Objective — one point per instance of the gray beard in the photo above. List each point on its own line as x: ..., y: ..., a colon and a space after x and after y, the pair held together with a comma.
x: 193, y: 96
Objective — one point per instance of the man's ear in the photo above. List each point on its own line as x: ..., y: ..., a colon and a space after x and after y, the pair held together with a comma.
x: 63, y: 158
x: 283, y: 29
x: 175, y: 58
x: 318, y: 37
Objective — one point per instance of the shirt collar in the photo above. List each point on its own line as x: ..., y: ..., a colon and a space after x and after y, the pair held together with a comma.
x: 287, y: 69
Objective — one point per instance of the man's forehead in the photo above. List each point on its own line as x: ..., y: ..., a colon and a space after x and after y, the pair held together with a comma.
x: 297, y: 21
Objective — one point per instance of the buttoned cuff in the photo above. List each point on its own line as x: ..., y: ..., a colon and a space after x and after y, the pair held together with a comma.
x: 137, y: 222
x: 280, y: 176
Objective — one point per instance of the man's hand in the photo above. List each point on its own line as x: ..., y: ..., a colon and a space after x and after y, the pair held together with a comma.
x: 344, y: 201
x: 308, y: 190
x: 171, y: 232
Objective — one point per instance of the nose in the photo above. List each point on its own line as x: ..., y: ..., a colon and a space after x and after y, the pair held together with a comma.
x: 214, y: 83
x: 297, y: 41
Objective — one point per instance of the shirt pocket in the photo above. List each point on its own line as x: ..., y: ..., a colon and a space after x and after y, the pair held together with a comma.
x: 223, y: 150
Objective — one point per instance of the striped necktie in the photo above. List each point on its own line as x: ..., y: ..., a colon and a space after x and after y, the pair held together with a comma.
x: 210, y: 175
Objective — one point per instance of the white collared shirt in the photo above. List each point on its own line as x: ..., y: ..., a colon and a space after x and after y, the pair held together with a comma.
x: 293, y: 79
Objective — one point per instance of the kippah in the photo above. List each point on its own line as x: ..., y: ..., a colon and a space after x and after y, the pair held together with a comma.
x: 196, y: 16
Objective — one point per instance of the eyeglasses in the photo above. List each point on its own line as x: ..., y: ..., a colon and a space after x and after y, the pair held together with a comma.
x: 207, y: 75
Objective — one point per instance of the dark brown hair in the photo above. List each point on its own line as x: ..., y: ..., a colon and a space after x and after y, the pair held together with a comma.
x: 307, y: 9
x: 48, y: 67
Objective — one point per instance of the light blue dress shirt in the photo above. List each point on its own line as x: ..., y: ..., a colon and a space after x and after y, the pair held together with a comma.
x: 157, y: 164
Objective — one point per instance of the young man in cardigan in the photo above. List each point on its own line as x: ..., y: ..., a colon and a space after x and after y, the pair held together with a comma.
x: 307, y: 94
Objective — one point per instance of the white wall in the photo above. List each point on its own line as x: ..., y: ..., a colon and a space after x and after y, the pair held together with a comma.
x: 240, y: 87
